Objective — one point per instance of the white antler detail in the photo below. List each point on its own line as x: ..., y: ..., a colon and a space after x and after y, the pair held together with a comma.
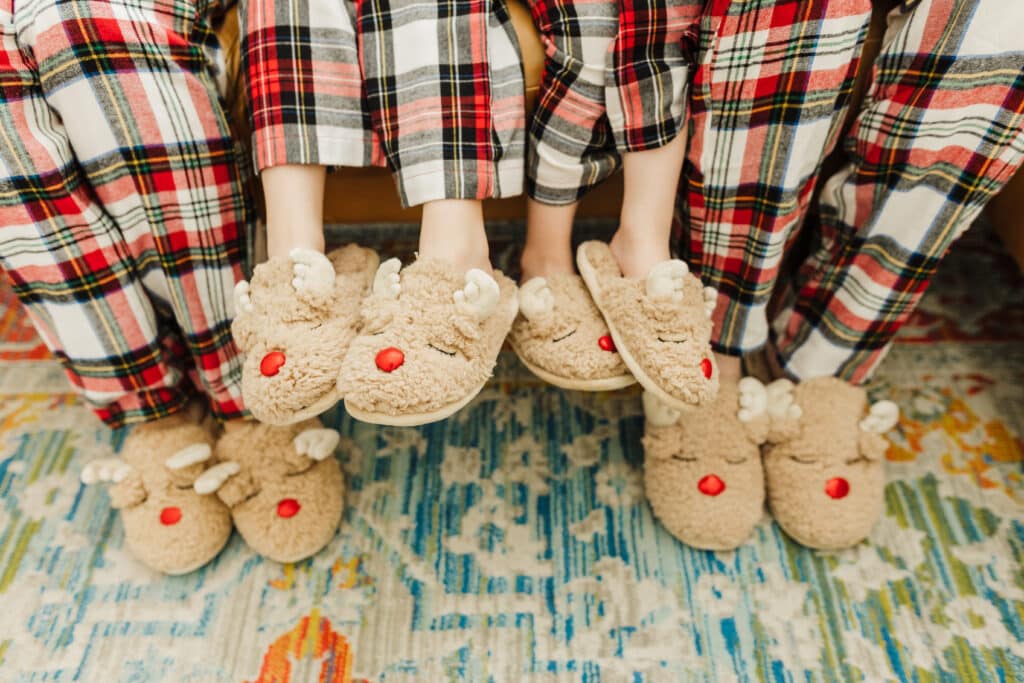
x: 536, y: 299
x: 665, y: 281
x: 659, y: 414
x: 318, y: 444
x: 387, y: 283
x: 882, y: 417
x: 781, y: 403
x: 108, y: 470
x: 311, y: 270
x: 213, y: 478
x: 710, y: 300
x: 243, y: 303
x: 190, y: 455
x: 753, y: 399
x: 480, y: 297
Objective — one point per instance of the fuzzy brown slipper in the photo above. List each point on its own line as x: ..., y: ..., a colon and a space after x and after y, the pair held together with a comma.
x: 167, y: 525
x: 430, y: 341
x: 824, y: 464
x: 661, y: 326
x: 702, y: 468
x: 295, y: 321
x: 283, y: 485
x: 562, y: 338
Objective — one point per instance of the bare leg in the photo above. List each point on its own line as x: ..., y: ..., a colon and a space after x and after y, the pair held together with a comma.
x: 453, y: 230
x: 295, y: 207
x: 651, y: 180
x: 548, y: 248
x: 730, y: 370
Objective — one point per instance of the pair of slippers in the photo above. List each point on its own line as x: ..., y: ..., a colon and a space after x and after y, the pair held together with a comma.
x: 600, y: 331
x: 181, y: 489
x: 815, y: 450
x: 401, y: 346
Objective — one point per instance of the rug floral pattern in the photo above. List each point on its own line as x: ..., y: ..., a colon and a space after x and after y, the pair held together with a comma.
x: 512, y: 543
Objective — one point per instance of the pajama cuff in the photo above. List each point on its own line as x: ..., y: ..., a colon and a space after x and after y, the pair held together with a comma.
x: 292, y: 144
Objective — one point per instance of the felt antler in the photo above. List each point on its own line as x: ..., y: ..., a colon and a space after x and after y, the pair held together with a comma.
x: 480, y: 296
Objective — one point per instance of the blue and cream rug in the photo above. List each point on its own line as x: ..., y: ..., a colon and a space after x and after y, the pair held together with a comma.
x: 512, y: 543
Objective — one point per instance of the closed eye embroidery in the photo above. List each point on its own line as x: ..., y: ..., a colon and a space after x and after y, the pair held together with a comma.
x: 673, y: 341
x: 563, y: 337
x: 447, y: 353
x: 682, y: 458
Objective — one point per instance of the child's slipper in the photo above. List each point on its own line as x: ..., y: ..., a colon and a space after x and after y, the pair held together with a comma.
x: 702, y: 468
x: 283, y: 485
x: 294, y: 323
x: 430, y: 341
x: 167, y: 525
x: 824, y: 464
x: 562, y: 338
x: 661, y: 326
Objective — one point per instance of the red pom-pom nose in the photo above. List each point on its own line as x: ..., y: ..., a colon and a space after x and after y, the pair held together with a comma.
x: 837, y: 488
x: 606, y: 343
x: 390, y: 359
x: 711, y: 485
x: 271, y: 363
x: 707, y: 368
x: 170, y: 516
x: 289, y: 507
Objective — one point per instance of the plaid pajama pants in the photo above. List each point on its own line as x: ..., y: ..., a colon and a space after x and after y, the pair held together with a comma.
x: 940, y: 133
x: 614, y: 81
x: 121, y: 204
x: 433, y: 89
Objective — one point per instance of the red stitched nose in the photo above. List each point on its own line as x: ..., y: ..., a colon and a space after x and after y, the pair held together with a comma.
x: 289, y: 507
x: 837, y: 488
x: 170, y: 516
x: 606, y: 343
x: 271, y: 363
x: 707, y: 368
x: 711, y: 485
x: 390, y: 359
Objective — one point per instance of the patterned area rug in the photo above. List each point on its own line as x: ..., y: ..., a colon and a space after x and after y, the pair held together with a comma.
x: 512, y: 543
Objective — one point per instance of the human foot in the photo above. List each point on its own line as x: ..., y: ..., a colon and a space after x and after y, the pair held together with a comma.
x: 294, y: 323
x: 167, y: 525
x: 430, y: 340
x: 561, y: 337
x: 283, y: 486
x: 661, y: 325
x: 702, y: 467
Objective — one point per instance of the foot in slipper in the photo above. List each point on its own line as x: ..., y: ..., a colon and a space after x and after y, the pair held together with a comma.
x: 430, y: 341
x: 167, y: 525
x: 294, y: 323
x: 824, y: 467
x: 283, y: 485
x: 562, y: 338
x: 702, y: 468
x: 661, y: 326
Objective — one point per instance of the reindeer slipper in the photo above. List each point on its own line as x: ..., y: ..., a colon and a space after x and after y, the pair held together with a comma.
x: 430, y: 339
x: 824, y: 462
x: 167, y: 525
x: 562, y: 338
x: 283, y: 485
x: 294, y: 323
x: 661, y: 326
x: 702, y: 468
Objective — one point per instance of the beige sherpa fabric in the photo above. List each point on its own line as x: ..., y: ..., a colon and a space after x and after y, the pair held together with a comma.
x: 702, y: 472
x: 283, y: 485
x: 167, y: 525
x: 295, y: 321
x: 824, y: 470
x: 561, y: 337
x: 661, y: 326
x: 430, y: 341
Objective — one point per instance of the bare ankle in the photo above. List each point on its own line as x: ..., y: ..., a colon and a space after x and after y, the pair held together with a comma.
x: 545, y: 263
x: 453, y: 231
x: 637, y: 253
x: 730, y: 369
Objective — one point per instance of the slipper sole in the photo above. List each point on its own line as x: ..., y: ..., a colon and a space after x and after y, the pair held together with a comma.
x: 571, y: 384
x: 413, y: 420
